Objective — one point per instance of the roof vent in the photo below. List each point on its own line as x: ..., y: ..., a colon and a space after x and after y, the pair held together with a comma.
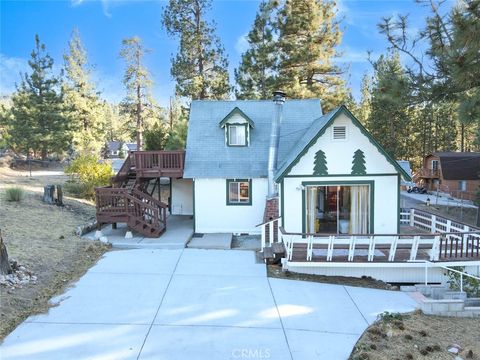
x: 339, y: 132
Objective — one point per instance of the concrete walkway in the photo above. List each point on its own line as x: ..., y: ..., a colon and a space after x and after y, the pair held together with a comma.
x: 198, y: 304
x: 179, y: 232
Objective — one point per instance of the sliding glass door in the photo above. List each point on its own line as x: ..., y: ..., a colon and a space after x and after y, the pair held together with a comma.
x: 343, y: 209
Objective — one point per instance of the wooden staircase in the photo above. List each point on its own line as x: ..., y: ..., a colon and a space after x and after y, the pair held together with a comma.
x: 128, y: 200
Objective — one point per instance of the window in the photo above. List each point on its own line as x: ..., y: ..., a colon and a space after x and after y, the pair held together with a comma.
x: 434, y: 164
x: 338, y: 209
x: 462, y: 185
x: 239, y: 192
x: 339, y: 132
x: 237, y: 135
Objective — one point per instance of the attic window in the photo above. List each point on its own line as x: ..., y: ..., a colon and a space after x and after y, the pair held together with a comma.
x: 339, y: 132
x: 237, y: 135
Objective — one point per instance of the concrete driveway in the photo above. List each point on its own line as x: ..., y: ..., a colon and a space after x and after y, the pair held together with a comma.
x: 198, y: 304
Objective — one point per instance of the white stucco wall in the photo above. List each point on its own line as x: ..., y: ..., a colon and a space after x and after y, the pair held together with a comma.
x: 213, y: 215
x: 385, y: 208
x: 339, y: 157
x: 182, y: 197
x: 339, y: 153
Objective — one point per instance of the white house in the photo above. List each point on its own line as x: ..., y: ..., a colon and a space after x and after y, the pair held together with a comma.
x: 332, y: 176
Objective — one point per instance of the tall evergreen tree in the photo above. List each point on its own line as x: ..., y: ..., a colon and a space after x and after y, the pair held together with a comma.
x: 255, y: 77
x: 365, y: 104
x: 308, y: 36
x: 37, y: 120
x: 138, y: 104
x: 389, y: 120
x: 81, y: 99
x: 453, y: 72
x: 200, y: 67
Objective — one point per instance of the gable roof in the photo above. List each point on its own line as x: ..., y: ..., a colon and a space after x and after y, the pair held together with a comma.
x: 236, y: 110
x: 316, y: 130
x: 207, y: 156
x: 459, y: 165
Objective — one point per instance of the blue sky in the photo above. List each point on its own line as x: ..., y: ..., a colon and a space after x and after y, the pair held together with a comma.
x: 103, y: 24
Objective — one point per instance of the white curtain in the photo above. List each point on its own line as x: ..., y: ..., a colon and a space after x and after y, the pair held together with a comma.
x: 311, y: 208
x: 359, y: 209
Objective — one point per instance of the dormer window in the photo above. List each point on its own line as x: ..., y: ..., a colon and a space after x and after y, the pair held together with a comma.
x: 237, y: 127
x: 237, y: 135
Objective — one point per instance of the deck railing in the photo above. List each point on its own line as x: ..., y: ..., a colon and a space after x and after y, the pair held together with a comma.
x: 158, y: 162
x: 446, y: 240
x: 117, y: 205
x: 381, y: 247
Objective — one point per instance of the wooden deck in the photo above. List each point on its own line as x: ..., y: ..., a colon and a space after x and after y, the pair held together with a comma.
x: 127, y: 199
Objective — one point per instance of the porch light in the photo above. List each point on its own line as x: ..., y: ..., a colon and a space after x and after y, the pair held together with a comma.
x: 428, y: 202
x: 300, y: 187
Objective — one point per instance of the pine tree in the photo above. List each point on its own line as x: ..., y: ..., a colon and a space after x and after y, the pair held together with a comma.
x: 82, y: 102
x: 255, y: 77
x: 447, y: 70
x: 389, y: 120
x: 200, y: 67
x: 308, y: 37
x: 37, y: 119
x: 365, y: 105
x: 138, y: 104
x: 358, y: 162
x: 320, y: 164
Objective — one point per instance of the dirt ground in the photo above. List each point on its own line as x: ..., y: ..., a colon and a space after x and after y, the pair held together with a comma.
x: 275, y: 271
x: 418, y: 336
x: 42, y: 238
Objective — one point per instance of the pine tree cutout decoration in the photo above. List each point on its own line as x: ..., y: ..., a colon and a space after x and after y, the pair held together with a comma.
x: 358, y: 162
x: 320, y: 164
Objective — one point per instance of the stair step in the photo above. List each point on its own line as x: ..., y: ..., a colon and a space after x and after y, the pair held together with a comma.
x: 268, y: 253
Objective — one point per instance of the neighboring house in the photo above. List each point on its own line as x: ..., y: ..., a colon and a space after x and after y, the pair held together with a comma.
x: 115, y: 146
x: 332, y: 176
x: 456, y: 173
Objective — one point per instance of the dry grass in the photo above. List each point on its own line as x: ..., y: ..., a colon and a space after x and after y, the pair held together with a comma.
x: 41, y: 237
x: 465, y: 215
x: 418, y: 336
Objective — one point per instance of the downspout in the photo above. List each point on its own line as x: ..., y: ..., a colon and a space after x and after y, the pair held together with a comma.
x: 278, y: 100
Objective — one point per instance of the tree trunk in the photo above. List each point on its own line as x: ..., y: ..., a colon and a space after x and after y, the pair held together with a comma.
x: 139, y: 120
x: 59, y: 195
x: 5, y: 267
x: 48, y: 194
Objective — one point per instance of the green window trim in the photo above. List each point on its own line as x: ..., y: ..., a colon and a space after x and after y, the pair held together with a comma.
x: 247, y: 134
x: 228, y: 202
x: 330, y: 183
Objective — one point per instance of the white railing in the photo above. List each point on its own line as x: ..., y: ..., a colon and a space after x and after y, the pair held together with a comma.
x: 368, y: 248
x: 270, y: 232
x: 433, y: 223
x: 429, y: 264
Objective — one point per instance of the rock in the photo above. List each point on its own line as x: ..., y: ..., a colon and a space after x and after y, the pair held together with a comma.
x: 21, y: 268
x: 104, y: 239
x: 454, y: 349
x: 389, y: 333
x: 128, y: 235
x: 98, y: 234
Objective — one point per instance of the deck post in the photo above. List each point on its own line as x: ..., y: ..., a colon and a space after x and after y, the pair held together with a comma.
x: 412, y: 217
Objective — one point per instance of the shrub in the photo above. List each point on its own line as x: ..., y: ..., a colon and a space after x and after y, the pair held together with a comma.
x: 470, y: 285
x: 14, y: 193
x: 86, y: 173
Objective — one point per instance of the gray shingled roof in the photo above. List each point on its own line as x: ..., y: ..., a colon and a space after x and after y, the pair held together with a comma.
x: 207, y: 155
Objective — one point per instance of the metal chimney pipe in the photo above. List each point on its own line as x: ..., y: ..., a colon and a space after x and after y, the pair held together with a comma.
x: 278, y: 100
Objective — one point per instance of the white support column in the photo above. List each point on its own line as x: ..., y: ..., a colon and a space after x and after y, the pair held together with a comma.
x: 371, y: 248
x: 393, y: 249
x: 263, y: 236
x: 414, y: 249
x: 330, y: 248
x: 433, y: 226
x: 465, y: 244
x: 412, y: 217
x: 270, y: 233
x: 351, y: 248
x: 309, y: 247
x: 435, y: 252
